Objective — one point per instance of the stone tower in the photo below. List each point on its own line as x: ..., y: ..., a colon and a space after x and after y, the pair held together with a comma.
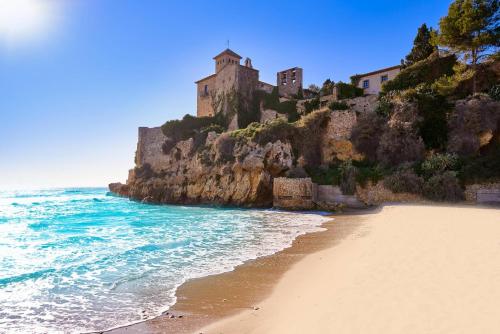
x: 289, y: 81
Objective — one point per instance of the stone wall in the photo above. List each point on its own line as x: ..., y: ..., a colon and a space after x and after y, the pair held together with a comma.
x: 295, y: 194
x: 483, y: 193
x: 149, y: 148
x: 303, y: 194
x: 269, y: 115
x: 204, y: 90
x: 335, y: 143
x: 264, y: 86
x: 331, y: 197
x: 361, y: 104
x: 248, y: 81
x: 375, y: 194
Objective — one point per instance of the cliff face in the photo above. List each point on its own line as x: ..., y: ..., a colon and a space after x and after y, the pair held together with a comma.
x: 222, y: 171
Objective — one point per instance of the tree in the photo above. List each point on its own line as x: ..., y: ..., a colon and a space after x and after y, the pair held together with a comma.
x: 300, y: 93
x: 422, y: 46
x: 471, y: 28
x: 327, y: 88
x: 313, y: 88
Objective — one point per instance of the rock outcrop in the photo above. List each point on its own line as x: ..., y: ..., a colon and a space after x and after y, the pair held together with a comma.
x: 222, y: 171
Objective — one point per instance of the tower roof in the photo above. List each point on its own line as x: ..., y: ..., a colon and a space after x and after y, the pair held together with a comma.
x: 229, y: 52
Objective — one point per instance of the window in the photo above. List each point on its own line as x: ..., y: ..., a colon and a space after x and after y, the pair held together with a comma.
x: 206, y: 90
x: 384, y: 78
x: 366, y: 84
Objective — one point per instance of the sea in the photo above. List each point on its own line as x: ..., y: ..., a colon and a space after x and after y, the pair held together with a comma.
x: 81, y: 259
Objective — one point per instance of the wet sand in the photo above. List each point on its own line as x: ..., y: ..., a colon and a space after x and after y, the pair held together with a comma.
x: 206, y: 300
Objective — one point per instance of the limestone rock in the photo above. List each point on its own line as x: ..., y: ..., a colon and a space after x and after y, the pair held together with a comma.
x: 242, y: 174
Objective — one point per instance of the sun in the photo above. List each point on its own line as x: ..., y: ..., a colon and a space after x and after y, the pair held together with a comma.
x: 23, y: 18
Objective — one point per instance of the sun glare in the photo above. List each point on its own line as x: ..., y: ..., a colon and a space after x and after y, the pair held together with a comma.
x: 21, y: 19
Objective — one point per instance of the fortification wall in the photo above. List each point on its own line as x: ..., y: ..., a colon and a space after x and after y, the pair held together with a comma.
x: 248, y: 81
x: 363, y: 104
x: 298, y: 194
x: 336, y: 144
x: 331, y: 197
x: 149, y: 148
x: 269, y: 115
x: 483, y: 193
x: 205, y: 89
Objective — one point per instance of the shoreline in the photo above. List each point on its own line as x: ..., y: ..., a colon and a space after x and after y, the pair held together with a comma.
x: 411, y: 269
x: 205, y: 300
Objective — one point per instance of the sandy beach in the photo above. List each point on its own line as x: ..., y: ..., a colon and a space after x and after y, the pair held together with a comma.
x: 406, y: 269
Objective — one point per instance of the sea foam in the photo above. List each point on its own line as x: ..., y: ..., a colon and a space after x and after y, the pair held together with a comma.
x: 75, y: 260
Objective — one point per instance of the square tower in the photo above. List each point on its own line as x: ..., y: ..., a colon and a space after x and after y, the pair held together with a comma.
x: 289, y: 81
x: 226, y: 57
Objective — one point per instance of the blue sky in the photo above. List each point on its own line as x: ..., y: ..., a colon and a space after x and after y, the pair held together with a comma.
x: 73, y: 95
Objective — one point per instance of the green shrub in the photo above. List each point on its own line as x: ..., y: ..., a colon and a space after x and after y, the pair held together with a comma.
x: 289, y: 108
x: 311, y: 105
x: 277, y: 129
x: 271, y: 101
x: 438, y: 163
x: 434, y: 109
x: 249, y: 132
x: 366, y: 133
x: 248, y: 111
x: 213, y: 128
x: 385, y: 105
x: 444, y: 187
x: 338, y: 105
x: 327, y: 88
x: 348, y: 91
x: 404, y: 180
x: 399, y: 144
x: 495, y: 92
x: 367, y: 171
x: 424, y: 71
x: 447, y: 84
x: 324, y: 175
x: 186, y: 128
x: 485, y: 167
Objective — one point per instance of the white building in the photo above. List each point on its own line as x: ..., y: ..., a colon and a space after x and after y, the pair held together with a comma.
x: 371, y: 82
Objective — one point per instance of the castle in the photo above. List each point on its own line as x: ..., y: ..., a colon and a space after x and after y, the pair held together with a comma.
x: 230, y: 76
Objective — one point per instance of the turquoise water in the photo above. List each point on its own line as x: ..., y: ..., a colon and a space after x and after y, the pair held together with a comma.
x: 74, y: 260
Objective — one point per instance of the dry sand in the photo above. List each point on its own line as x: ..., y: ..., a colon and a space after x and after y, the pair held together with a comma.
x: 408, y: 269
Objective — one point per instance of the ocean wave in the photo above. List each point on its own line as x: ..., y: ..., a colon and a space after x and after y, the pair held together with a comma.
x: 71, y: 257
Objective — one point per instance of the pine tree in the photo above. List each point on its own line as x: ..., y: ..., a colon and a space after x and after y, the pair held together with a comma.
x: 471, y: 28
x: 422, y: 46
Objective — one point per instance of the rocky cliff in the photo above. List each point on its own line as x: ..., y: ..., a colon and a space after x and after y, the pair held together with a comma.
x: 222, y: 171
x: 227, y: 168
